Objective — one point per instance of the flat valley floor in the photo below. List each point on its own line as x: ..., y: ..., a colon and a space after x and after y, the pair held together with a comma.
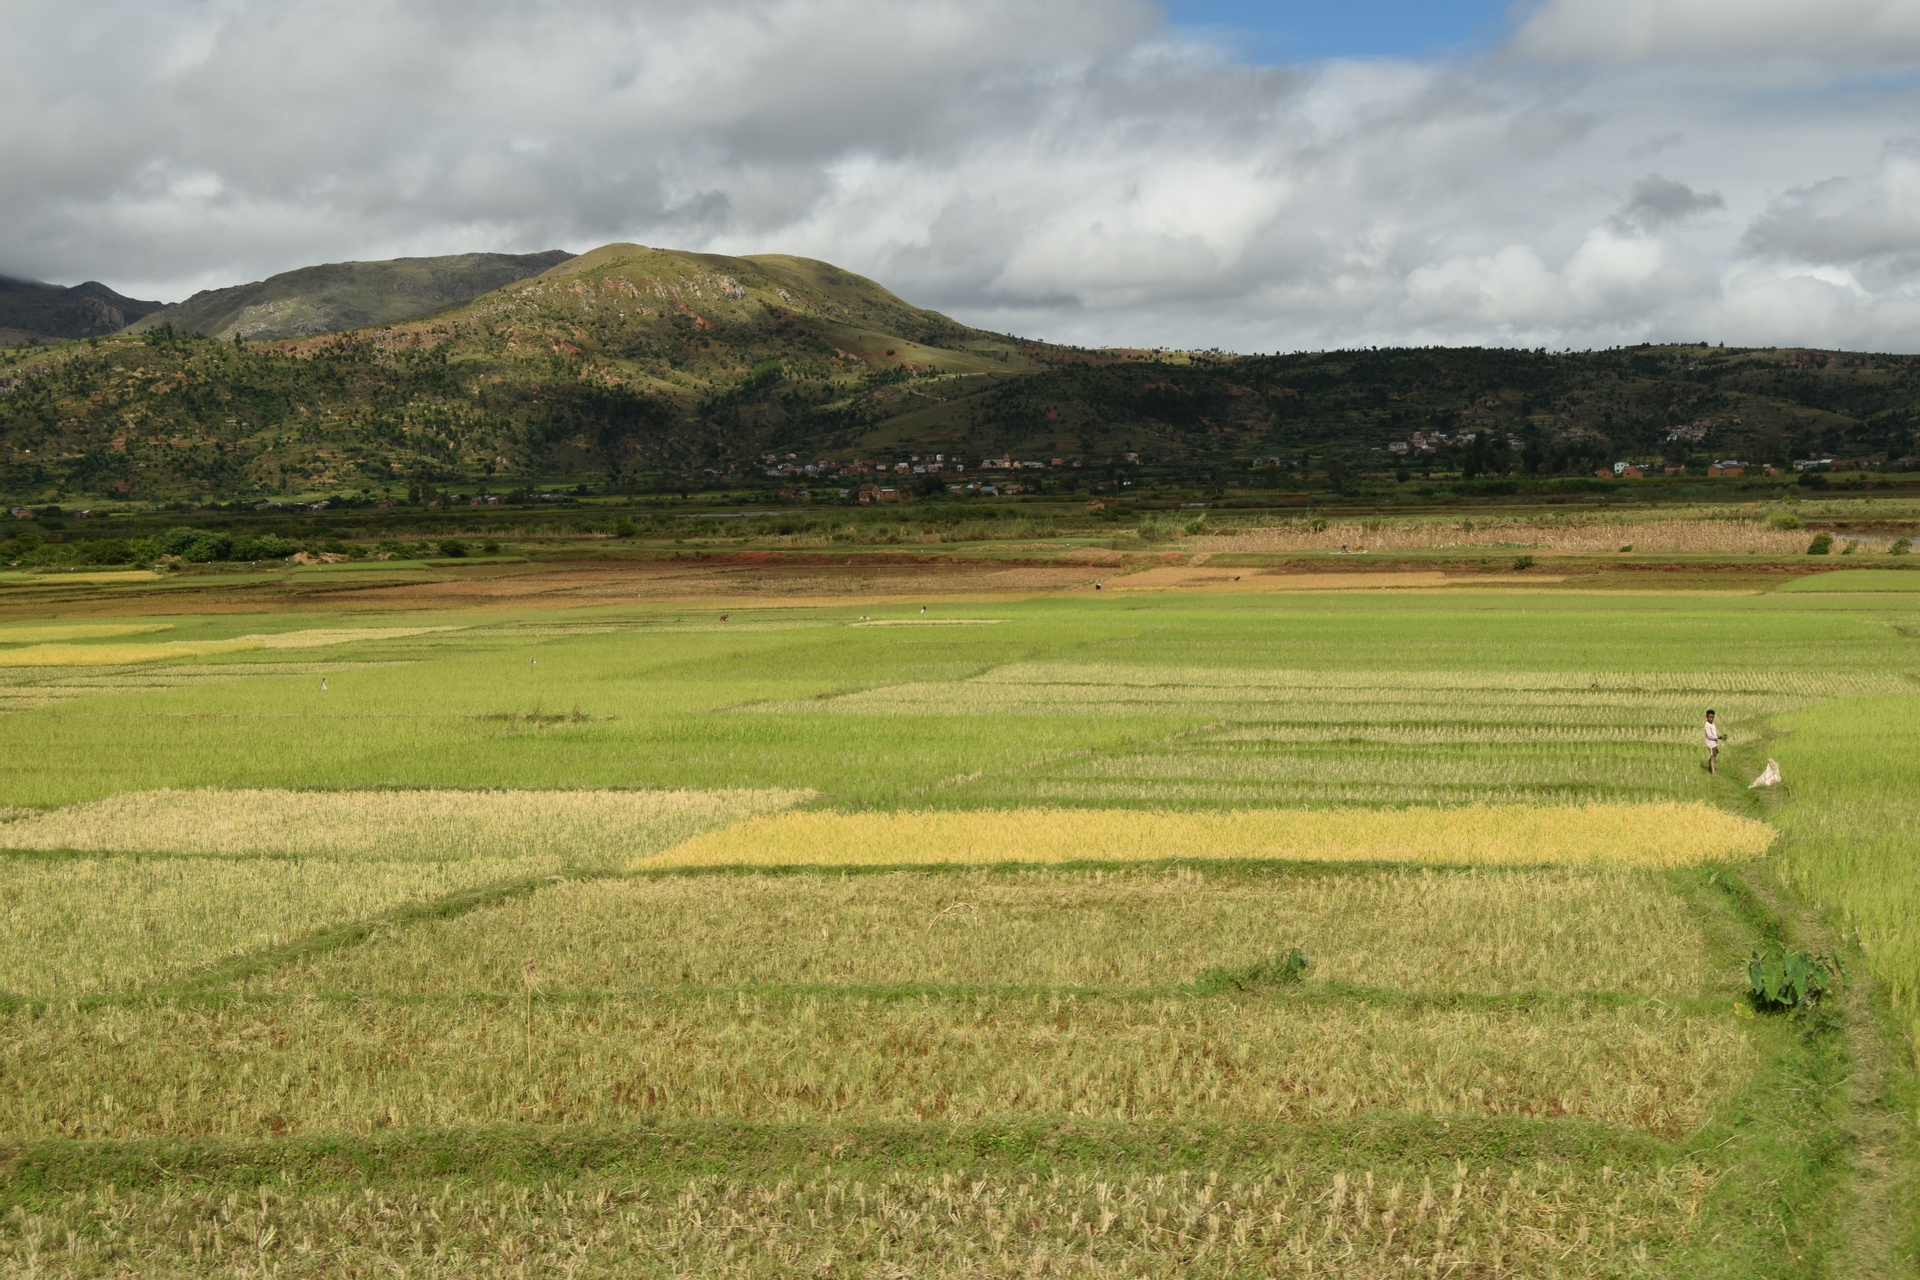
x: 932, y: 920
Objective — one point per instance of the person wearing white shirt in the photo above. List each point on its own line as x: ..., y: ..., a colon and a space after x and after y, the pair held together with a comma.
x: 1713, y: 744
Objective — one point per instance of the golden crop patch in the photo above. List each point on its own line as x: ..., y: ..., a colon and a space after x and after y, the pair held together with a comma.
x: 1618, y: 835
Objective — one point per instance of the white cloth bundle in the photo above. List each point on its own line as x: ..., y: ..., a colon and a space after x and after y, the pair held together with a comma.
x: 1770, y: 776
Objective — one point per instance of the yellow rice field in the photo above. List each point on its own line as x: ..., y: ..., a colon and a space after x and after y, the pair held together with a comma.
x: 43, y: 632
x: 1616, y: 835
x: 579, y: 828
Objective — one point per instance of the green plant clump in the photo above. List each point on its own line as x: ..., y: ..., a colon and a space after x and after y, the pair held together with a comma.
x: 1521, y: 563
x: 1821, y: 545
x: 1901, y: 547
x: 453, y: 548
x: 1274, y: 971
x: 1782, y: 981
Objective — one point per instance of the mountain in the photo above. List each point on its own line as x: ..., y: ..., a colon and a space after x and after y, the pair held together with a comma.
x: 349, y: 295
x: 652, y: 368
x: 29, y: 309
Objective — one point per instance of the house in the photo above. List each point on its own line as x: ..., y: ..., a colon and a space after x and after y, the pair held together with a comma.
x: 1727, y: 469
x: 1096, y: 505
x: 1676, y: 469
x: 869, y: 492
x: 1604, y: 473
x: 890, y: 495
x: 1631, y: 472
x: 23, y: 513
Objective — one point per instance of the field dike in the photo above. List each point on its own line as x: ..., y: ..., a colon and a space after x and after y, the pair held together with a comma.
x: 1598, y: 835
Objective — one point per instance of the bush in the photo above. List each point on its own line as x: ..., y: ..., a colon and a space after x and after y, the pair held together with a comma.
x: 1522, y: 562
x: 207, y: 547
x: 1782, y: 981
x: 109, y: 551
x: 1901, y: 547
x: 453, y: 548
x: 265, y: 547
x: 1821, y: 545
x: 1785, y: 520
x: 624, y: 528
x: 491, y: 547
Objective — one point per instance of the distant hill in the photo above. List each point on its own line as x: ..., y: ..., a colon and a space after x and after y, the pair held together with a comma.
x: 349, y: 295
x: 30, y: 309
x: 656, y: 369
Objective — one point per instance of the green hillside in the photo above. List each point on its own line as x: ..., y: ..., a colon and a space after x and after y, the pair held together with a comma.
x: 349, y: 295
x: 650, y: 368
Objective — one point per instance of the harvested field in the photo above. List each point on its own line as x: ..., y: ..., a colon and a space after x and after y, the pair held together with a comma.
x: 1358, y: 1222
x: 297, y: 1066
x: 1559, y: 930
x: 79, y: 927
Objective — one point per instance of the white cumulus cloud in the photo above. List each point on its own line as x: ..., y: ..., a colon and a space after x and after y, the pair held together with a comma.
x: 1080, y: 170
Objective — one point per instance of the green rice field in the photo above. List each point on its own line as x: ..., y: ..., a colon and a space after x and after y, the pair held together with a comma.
x: 623, y: 940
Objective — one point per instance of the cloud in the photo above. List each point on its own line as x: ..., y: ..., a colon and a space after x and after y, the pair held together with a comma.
x: 1075, y: 170
x: 1657, y: 202
x: 1848, y: 33
x: 1848, y: 220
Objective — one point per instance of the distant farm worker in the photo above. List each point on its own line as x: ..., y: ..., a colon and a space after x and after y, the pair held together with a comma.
x: 1713, y: 744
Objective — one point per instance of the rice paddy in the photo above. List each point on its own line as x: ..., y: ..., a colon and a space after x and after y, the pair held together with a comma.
x: 565, y: 828
x: 1117, y: 930
x: 1138, y: 935
x: 1651, y: 835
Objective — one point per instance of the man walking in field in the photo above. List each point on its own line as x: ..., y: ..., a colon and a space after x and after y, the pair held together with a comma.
x: 1713, y: 743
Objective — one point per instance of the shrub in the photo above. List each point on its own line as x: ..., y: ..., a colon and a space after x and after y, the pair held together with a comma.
x: 1522, y: 562
x: 1821, y: 545
x: 624, y: 528
x: 1782, y: 981
x: 1785, y: 520
x: 453, y: 548
x: 207, y: 547
x: 266, y: 546
x: 1274, y: 971
x: 491, y: 547
x: 1901, y: 547
x: 109, y: 551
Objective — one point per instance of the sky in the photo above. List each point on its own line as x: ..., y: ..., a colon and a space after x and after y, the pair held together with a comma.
x: 1202, y: 173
